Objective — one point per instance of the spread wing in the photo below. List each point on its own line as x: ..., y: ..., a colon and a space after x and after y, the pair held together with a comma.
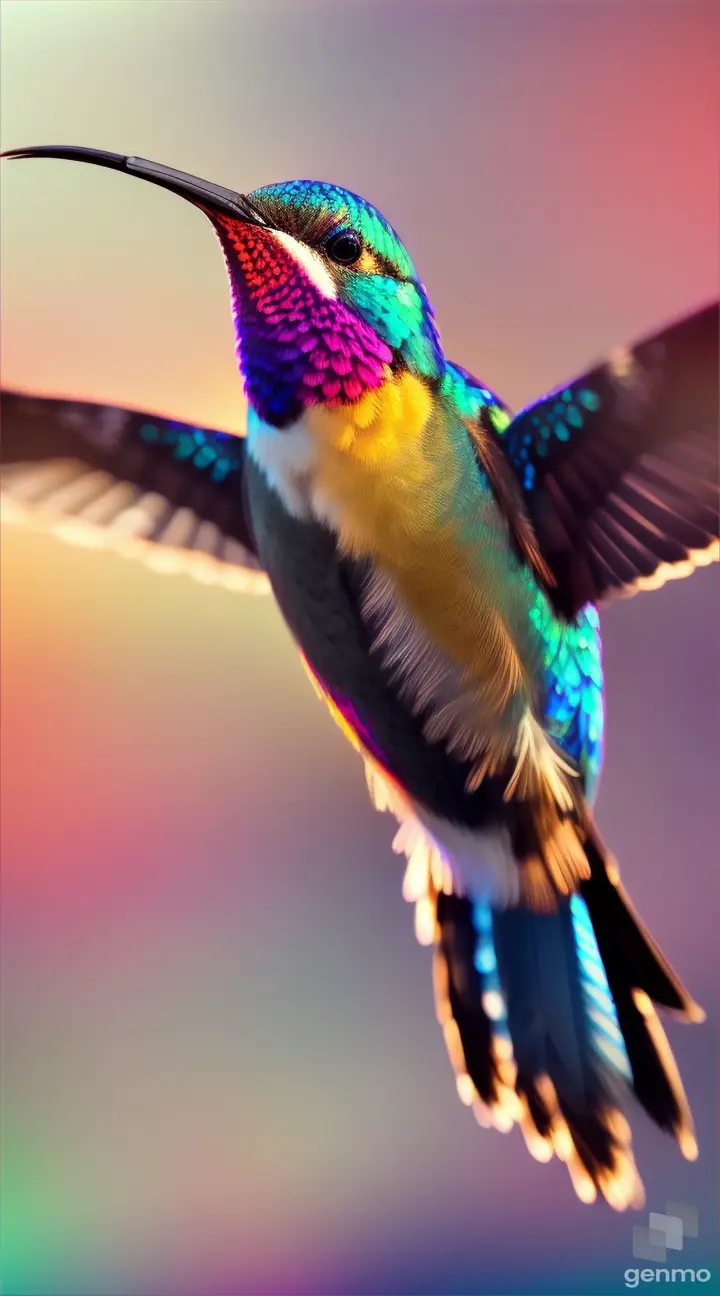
x: 619, y: 468
x: 144, y: 486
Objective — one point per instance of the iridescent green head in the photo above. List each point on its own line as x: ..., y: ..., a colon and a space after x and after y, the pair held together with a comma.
x: 364, y: 256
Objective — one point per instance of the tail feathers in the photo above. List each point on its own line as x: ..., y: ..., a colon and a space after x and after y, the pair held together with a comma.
x: 550, y: 1028
x: 547, y: 1007
x: 656, y: 1079
x: 628, y: 951
x: 638, y: 975
x: 572, y: 1066
x: 468, y: 1003
x: 517, y: 1036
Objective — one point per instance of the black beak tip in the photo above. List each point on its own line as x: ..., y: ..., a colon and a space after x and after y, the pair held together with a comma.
x: 69, y: 153
x: 202, y: 193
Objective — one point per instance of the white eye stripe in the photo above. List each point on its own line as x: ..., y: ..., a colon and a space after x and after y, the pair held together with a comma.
x: 312, y: 264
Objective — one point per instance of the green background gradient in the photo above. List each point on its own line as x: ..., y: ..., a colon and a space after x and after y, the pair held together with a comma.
x: 221, y: 1072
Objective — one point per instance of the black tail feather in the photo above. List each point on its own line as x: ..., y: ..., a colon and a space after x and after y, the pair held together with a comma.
x: 628, y: 951
x: 459, y: 991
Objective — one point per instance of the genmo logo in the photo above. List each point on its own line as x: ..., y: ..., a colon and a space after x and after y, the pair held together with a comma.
x: 633, y: 1277
x: 663, y: 1233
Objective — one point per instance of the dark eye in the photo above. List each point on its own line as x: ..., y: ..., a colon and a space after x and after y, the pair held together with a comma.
x: 344, y: 247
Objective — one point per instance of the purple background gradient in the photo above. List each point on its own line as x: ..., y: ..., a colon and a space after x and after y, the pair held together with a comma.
x: 221, y: 1072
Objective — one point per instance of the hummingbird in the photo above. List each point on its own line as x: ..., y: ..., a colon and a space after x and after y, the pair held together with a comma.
x: 439, y: 561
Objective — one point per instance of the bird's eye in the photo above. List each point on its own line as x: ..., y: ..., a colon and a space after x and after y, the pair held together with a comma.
x: 344, y: 247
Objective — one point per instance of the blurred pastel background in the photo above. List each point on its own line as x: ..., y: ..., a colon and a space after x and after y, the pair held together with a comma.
x: 220, y: 1070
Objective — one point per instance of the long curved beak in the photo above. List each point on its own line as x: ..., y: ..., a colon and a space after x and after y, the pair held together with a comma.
x: 203, y: 193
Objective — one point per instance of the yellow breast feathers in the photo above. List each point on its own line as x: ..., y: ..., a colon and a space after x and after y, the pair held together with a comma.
x: 397, y: 478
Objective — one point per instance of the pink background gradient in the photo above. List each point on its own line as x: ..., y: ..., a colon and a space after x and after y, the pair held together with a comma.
x: 220, y: 1067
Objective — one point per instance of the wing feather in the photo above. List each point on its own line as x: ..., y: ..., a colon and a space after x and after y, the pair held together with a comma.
x: 138, y: 484
x: 619, y: 469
